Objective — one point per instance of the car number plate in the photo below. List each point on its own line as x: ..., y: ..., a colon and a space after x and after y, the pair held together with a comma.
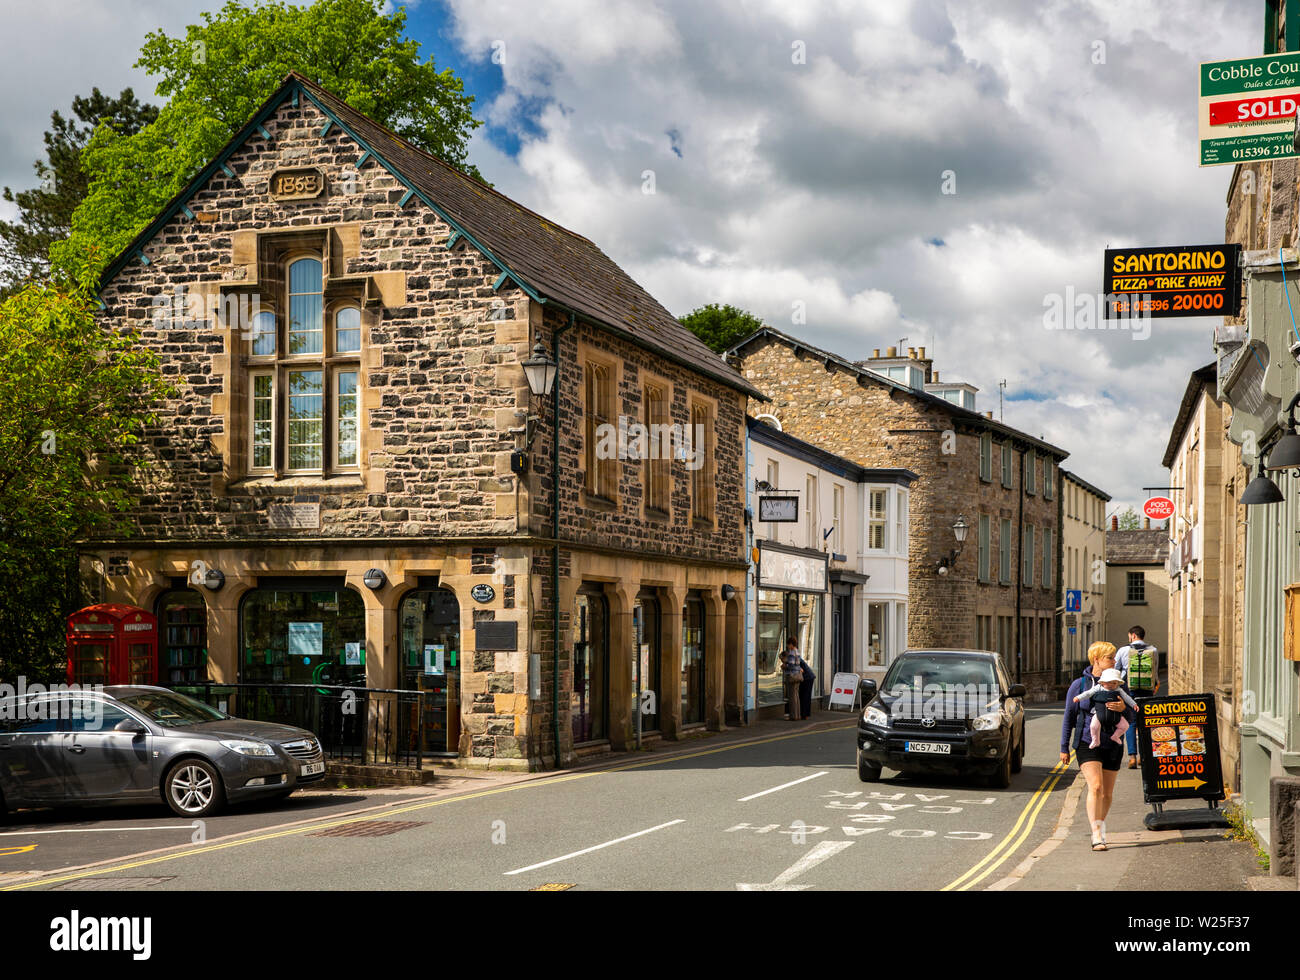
x: 938, y: 748
x: 312, y: 768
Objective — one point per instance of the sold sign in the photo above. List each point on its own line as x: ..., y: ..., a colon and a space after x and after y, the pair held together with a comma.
x: 1158, y: 508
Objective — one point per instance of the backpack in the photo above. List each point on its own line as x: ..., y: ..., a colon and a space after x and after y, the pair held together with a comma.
x: 1141, y: 667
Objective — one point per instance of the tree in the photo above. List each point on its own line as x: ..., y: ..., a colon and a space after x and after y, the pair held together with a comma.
x: 1129, y: 520
x: 720, y: 327
x: 75, y: 397
x: 45, y: 211
x: 220, y: 73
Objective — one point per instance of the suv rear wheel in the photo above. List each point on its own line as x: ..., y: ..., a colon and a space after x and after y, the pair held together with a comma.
x: 866, y: 771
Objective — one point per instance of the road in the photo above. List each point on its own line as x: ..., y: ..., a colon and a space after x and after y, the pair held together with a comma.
x: 783, y: 812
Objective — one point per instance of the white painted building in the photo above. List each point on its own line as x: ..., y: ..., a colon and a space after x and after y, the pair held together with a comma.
x: 829, y: 563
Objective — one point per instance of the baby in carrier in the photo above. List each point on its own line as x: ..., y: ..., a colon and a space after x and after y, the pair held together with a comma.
x: 1104, y: 721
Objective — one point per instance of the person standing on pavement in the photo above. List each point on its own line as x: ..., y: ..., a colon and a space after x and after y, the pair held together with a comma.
x: 1139, y: 665
x: 792, y: 673
x: 1100, y: 766
x: 806, y: 688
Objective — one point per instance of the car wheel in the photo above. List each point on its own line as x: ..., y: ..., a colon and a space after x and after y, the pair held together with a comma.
x: 1001, y: 777
x: 866, y: 771
x: 193, y: 788
x: 1018, y: 762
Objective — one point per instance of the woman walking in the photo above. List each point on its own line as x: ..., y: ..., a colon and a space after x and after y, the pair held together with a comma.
x: 792, y: 674
x: 1101, y: 765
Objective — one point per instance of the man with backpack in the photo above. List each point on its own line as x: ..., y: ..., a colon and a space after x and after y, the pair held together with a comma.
x: 1139, y: 662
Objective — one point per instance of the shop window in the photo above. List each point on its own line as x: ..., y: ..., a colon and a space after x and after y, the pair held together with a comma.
x: 771, y: 643
x: 877, y: 633
x: 303, y: 380
x: 589, y: 699
x: 693, y: 661
x: 429, y: 621
x: 183, y: 637
x: 303, y: 635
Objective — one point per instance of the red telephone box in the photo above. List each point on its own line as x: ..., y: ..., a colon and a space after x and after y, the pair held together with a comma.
x: 112, y: 644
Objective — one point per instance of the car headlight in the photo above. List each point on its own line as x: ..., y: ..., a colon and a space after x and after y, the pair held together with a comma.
x: 244, y: 747
x: 987, y: 723
x: 874, y: 716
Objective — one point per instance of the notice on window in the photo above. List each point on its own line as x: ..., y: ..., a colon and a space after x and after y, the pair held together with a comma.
x: 352, y: 654
x: 435, y: 658
x: 306, y: 639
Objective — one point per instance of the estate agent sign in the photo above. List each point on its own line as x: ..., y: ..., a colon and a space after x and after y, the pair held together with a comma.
x: 1248, y: 107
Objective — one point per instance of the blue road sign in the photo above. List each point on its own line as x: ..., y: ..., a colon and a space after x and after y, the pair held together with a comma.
x: 1073, y: 600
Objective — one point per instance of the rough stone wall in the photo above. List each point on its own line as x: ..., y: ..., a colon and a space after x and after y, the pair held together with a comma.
x: 440, y: 381
x: 876, y: 426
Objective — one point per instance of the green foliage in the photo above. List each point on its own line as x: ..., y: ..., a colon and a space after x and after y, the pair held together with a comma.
x: 1130, y: 521
x: 74, y: 400
x: 1242, y: 829
x: 45, y: 211
x: 224, y: 69
x: 720, y: 327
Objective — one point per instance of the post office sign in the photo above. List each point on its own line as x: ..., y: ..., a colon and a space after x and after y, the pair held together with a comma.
x: 299, y: 184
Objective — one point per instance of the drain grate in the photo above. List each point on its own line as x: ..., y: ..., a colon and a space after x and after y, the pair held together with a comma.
x: 369, y: 828
x: 109, y: 884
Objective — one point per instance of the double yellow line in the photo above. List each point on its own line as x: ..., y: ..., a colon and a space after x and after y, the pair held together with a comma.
x: 1018, y: 835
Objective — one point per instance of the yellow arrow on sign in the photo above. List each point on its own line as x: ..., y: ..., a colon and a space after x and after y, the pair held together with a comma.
x: 1193, y: 783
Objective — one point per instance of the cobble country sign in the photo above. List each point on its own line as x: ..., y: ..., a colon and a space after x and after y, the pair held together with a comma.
x: 1247, y: 108
x: 1178, y: 280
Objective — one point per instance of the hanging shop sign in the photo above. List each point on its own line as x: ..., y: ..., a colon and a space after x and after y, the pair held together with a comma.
x: 1247, y: 109
x: 1179, y: 280
x: 784, y: 570
x: 1158, y: 508
x: 778, y: 510
x: 1179, y: 740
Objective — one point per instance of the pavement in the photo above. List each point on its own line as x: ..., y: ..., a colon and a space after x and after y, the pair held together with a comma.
x: 1136, y: 858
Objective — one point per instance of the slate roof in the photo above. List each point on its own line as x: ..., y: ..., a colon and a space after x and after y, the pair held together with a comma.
x: 548, y: 261
x: 1137, y: 547
x: 974, y: 419
x: 1206, y: 377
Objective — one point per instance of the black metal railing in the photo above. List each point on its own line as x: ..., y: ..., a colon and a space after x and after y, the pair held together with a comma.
x: 365, y: 725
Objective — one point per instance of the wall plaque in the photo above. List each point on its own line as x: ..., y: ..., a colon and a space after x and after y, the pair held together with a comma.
x: 300, y: 184
x: 293, y: 515
x: 497, y: 634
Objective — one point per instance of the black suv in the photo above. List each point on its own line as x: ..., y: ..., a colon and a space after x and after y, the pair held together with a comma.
x: 943, y: 711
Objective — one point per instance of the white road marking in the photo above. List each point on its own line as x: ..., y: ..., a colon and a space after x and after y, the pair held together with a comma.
x: 94, y: 830
x: 588, y: 850
x: 781, y: 883
x: 754, y: 796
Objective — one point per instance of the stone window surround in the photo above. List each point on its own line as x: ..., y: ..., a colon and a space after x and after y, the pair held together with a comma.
x: 706, y: 474
x: 379, y: 290
x: 651, y: 380
x: 612, y: 364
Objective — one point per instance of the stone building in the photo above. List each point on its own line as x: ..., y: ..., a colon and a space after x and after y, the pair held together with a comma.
x: 1202, y: 655
x: 832, y: 567
x: 1137, y: 585
x: 1083, y: 570
x: 355, y: 482
x: 1000, y: 589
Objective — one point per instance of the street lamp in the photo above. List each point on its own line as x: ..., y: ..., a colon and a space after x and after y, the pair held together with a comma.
x: 540, y: 371
x: 1285, y: 454
x: 959, y: 529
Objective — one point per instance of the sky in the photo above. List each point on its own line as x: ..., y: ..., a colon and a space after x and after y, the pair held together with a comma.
x: 859, y: 173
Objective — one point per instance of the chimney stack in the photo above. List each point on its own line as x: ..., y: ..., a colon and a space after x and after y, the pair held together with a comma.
x: 1146, y: 524
x: 988, y: 415
x: 922, y: 349
x: 911, y: 353
x: 935, y: 376
x: 1114, y: 522
x: 875, y: 353
x: 891, y: 351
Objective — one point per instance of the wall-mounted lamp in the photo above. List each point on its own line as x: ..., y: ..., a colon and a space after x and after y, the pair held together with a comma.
x: 374, y: 579
x: 1261, y: 490
x: 1285, y: 454
x: 540, y: 371
x: 214, y: 580
x: 959, y: 529
x: 728, y: 592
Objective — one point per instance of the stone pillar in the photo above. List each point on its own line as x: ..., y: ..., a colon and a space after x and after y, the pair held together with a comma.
x: 1283, y: 839
x: 715, y: 657
x: 670, y: 682
x: 622, y: 649
x: 224, y: 655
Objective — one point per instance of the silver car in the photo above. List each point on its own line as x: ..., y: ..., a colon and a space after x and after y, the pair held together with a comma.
x: 133, y: 744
